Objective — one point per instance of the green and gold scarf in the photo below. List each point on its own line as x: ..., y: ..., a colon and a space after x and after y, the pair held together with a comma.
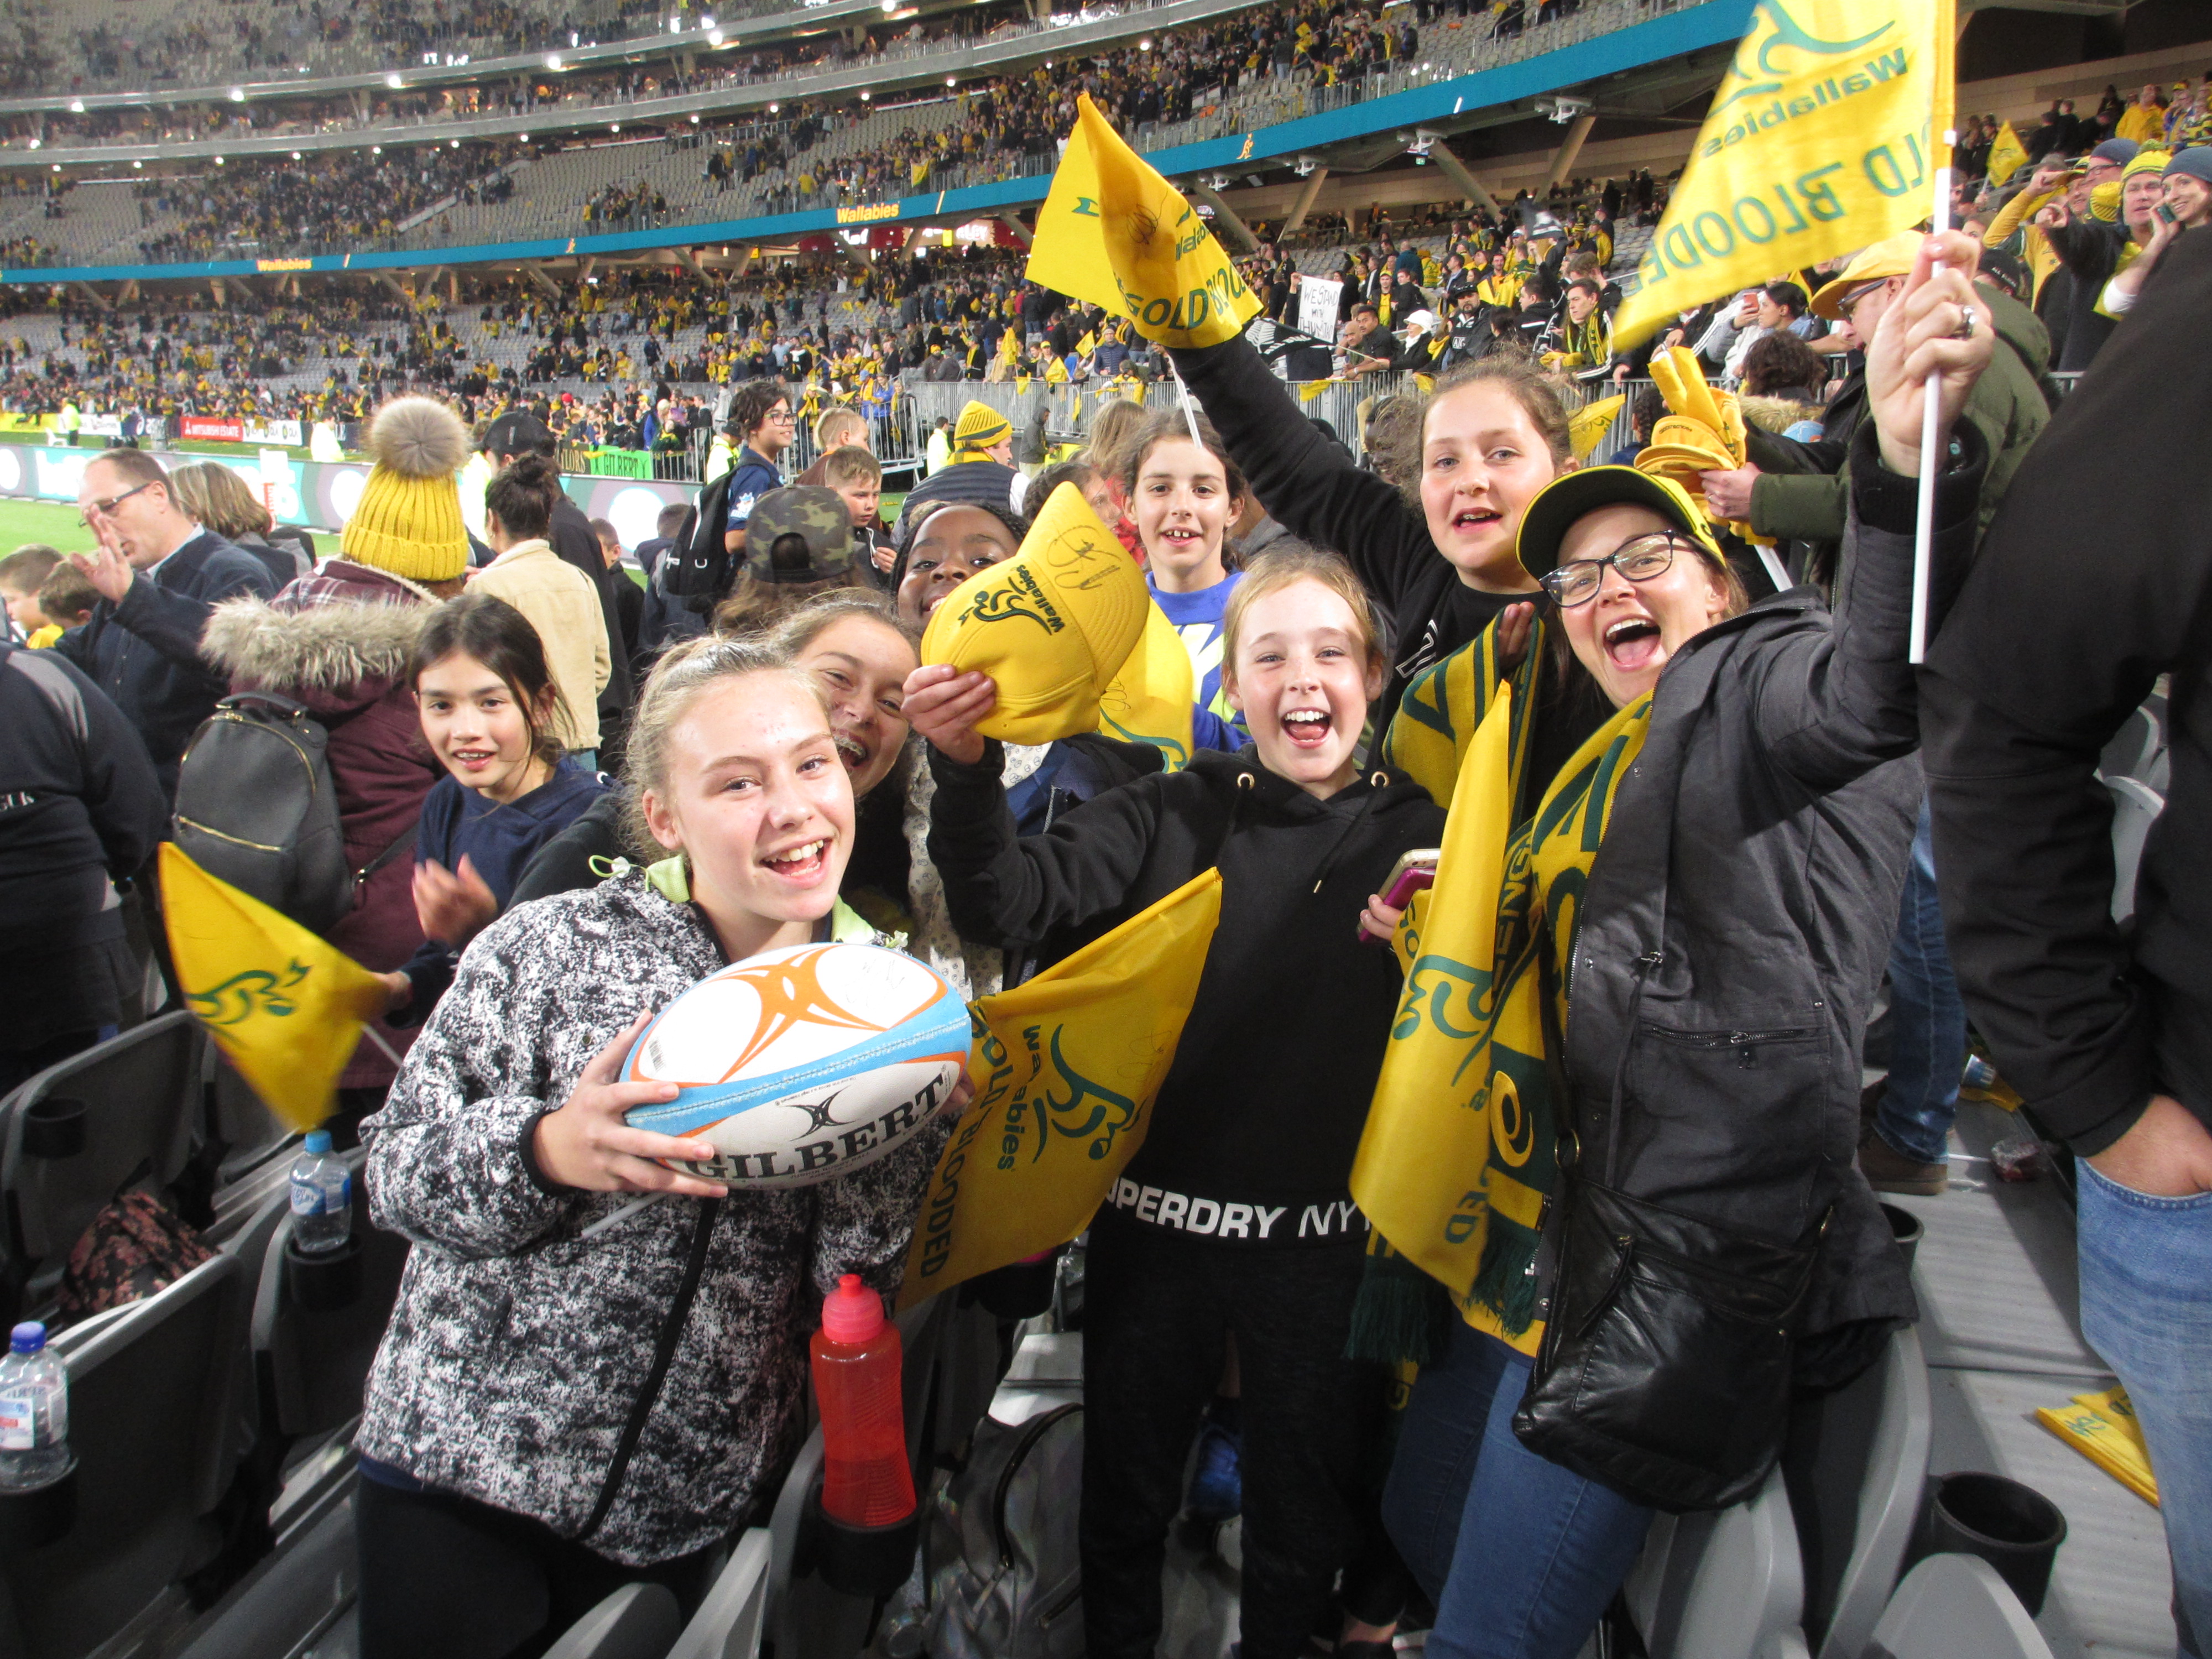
x: 1460, y: 1150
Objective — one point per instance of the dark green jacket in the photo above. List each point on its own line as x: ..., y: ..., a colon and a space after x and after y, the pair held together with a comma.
x: 1803, y: 495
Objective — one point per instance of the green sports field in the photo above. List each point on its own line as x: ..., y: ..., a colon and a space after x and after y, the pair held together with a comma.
x: 50, y: 522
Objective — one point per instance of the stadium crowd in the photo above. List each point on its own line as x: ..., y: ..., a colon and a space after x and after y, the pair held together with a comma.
x: 1729, y: 803
x: 334, y: 202
x: 1004, y: 125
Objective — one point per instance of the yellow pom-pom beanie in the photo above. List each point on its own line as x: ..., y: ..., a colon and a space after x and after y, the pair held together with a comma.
x: 408, y: 522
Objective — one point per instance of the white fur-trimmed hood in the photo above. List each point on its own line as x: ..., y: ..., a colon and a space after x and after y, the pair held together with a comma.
x: 323, y: 647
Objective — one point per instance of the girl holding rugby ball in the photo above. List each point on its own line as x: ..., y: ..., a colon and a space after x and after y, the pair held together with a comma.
x: 1235, y: 1216
x: 551, y: 1416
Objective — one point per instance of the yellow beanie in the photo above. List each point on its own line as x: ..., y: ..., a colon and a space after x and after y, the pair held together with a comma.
x: 408, y: 522
x: 1053, y: 625
x: 979, y: 428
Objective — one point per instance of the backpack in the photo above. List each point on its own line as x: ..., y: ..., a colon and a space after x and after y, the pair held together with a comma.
x: 1006, y: 1581
x: 134, y: 1247
x: 256, y: 808
x: 697, y: 568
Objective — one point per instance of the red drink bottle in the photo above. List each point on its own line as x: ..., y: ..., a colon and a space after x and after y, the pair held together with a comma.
x: 866, y: 1481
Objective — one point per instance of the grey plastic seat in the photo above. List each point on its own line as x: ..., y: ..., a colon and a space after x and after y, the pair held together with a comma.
x: 734, y: 1615
x: 315, y: 1361
x: 1956, y: 1607
x: 304, y: 1590
x: 638, y: 1621
x: 1723, y: 1585
x: 1855, y: 1468
x: 250, y: 1133
x: 139, y: 1091
x: 152, y: 1388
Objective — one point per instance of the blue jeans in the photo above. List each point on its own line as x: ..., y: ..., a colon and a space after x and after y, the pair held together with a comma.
x: 1520, y: 1555
x: 1927, y: 1020
x: 2147, y: 1307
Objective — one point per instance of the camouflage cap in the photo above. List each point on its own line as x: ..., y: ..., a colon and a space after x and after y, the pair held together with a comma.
x: 800, y: 533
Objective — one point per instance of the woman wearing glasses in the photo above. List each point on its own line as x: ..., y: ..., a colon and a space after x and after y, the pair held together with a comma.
x: 1707, y: 892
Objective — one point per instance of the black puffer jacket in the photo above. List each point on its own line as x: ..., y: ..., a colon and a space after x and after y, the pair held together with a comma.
x: 1758, y: 846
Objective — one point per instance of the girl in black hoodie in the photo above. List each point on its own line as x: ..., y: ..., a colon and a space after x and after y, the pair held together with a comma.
x: 1237, y: 1214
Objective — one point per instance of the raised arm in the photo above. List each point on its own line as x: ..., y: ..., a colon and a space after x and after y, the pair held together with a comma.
x: 1310, y: 486
x: 1832, y: 707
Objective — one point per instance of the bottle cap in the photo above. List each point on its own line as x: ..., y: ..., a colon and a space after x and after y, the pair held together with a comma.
x: 28, y: 1337
x: 319, y: 1140
x: 852, y: 1314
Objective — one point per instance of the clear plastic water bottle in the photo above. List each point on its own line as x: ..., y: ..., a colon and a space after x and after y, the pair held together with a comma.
x: 33, y: 1411
x: 322, y: 1198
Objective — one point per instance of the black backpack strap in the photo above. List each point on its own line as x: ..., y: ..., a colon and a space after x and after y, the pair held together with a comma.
x: 404, y: 844
x: 269, y: 703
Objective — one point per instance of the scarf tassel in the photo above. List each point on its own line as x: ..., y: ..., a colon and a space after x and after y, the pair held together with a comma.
x: 1401, y: 1314
x: 1505, y: 1282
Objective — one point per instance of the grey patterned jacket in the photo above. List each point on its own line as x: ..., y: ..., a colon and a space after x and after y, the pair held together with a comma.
x: 517, y: 1360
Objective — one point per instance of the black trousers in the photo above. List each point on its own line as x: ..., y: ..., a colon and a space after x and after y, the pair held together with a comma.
x: 444, y: 1577
x: 1157, y: 1308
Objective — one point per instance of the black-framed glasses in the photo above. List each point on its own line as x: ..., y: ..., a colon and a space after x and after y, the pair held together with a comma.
x: 111, y: 503
x: 782, y: 414
x: 1640, y: 560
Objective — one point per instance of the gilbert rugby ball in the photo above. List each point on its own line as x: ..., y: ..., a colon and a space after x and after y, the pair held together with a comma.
x: 803, y: 1064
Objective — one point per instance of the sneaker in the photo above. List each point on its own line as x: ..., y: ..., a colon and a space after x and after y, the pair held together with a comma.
x: 1217, y: 1487
x: 1888, y: 1170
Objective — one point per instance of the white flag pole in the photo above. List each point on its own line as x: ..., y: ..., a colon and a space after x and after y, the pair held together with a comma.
x: 1924, y: 532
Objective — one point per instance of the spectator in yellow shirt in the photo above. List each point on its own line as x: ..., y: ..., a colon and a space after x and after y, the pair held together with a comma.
x: 2143, y: 120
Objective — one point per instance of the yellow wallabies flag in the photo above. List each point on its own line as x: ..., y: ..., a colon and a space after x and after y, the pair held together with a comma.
x: 1823, y: 136
x: 1065, y: 1069
x: 1427, y: 1144
x: 285, y: 1007
x: 1150, y: 700
x: 2006, y: 154
x: 1114, y: 233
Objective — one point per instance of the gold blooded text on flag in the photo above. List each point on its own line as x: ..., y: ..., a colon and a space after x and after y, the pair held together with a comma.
x: 1823, y: 137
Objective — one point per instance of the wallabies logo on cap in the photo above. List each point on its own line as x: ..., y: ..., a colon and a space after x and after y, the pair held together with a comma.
x: 1021, y: 598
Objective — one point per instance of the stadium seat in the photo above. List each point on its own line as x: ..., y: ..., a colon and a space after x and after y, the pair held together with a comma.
x: 139, y: 1091
x: 638, y: 1621
x: 1956, y: 1607
x: 248, y: 1132
x: 152, y: 1388
x: 1724, y: 1585
x: 304, y: 1590
x: 730, y: 1621
x: 315, y: 1361
x: 1855, y: 1466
